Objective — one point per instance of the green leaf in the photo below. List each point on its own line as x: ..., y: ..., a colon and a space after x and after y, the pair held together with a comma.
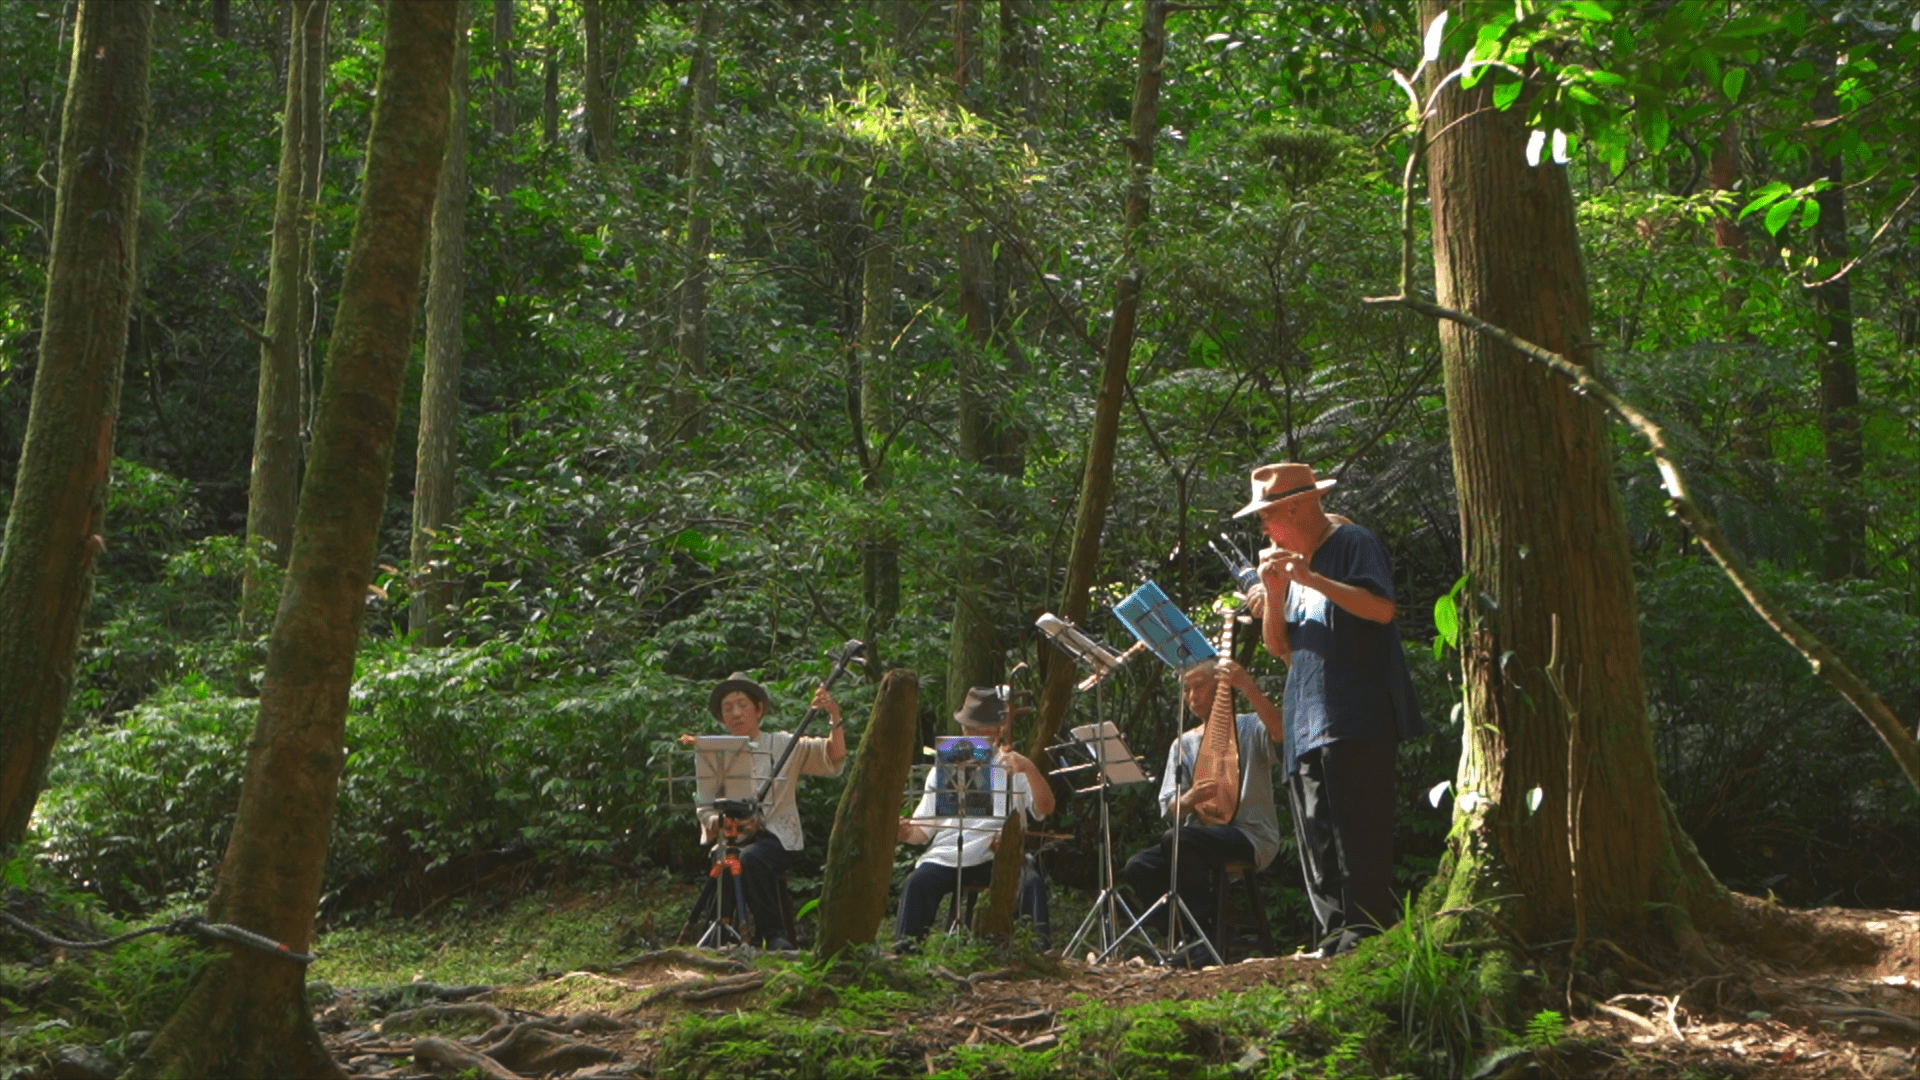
x: 1782, y: 210
x: 1505, y: 94
x: 1590, y: 10
x: 1446, y: 620
x: 1766, y: 197
x: 1653, y: 126
x: 1535, y: 798
x: 1734, y: 82
x: 1810, y: 213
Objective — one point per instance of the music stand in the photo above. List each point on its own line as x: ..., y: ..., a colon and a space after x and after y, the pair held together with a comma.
x: 723, y: 782
x: 1114, y: 766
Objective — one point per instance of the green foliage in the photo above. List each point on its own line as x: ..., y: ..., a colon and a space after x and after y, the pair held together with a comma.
x: 93, y: 999
x: 1545, y: 1029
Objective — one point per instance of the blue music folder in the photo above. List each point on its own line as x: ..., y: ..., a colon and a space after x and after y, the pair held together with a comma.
x: 1169, y: 634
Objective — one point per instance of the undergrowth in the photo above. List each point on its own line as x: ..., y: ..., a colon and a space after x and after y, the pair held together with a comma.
x: 94, y: 1007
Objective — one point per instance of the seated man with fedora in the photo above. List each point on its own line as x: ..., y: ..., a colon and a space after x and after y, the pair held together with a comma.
x: 970, y: 793
x: 740, y: 704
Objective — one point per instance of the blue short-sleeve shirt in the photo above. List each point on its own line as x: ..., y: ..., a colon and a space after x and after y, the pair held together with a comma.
x: 1348, y: 678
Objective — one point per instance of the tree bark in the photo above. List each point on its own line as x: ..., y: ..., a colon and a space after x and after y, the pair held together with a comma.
x: 1096, y: 481
x: 599, y: 108
x: 859, y: 867
x: 273, y: 488
x: 690, y: 334
x: 550, y: 71
x: 1843, y: 551
x: 505, y: 175
x: 1551, y: 650
x: 997, y: 917
x: 873, y: 375
x: 436, y: 494
x: 55, y: 527
x: 245, y: 1015
x: 1020, y: 62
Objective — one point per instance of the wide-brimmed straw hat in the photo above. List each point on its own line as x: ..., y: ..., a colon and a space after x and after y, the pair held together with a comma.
x: 1279, y: 482
x: 983, y: 708
x: 737, y: 681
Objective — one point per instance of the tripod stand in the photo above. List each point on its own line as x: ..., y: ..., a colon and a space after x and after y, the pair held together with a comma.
x: 1114, y: 767
x: 723, y: 882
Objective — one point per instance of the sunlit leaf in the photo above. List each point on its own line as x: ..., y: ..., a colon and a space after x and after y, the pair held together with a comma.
x: 1536, y: 141
x: 1733, y: 83
x: 1435, y: 31
x: 1438, y: 792
x: 1781, y: 212
x: 1535, y: 798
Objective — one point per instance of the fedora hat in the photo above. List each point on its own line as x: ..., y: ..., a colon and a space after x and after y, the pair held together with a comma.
x: 1279, y: 482
x: 983, y: 708
x: 737, y: 681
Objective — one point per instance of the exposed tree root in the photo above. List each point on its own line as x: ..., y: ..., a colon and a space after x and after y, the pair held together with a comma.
x: 684, y: 957
x: 460, y: 1058
x: 439, y: 1014
x: 701, y: 989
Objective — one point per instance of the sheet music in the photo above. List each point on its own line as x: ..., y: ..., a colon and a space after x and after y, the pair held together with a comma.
x: 722, y: 768
x: 1105, y: 743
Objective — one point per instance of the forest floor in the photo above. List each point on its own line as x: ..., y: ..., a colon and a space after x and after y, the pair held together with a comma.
x: 1837, y: 995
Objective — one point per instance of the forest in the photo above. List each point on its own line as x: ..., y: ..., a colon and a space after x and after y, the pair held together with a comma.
x: 414, y: 414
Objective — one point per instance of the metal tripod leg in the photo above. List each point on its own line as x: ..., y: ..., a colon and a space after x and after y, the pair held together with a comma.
x: 1179, y: 912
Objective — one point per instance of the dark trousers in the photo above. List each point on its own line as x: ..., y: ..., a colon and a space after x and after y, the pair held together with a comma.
x: 1204, y: 849
x: 762, y: 861
x: 931, y: 883
x: 1342, y: 798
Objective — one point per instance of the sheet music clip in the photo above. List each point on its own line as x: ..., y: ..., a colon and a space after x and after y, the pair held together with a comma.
x: 1162, y: 628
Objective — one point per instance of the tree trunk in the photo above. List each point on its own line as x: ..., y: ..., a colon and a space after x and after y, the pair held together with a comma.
x: 55, y: 528
x: 997, y: 917
x: 273, y: 489
x: 505, y: 175
x: 437, y: 462
x: 873, y: 362
x: 690, y: 334
x: 1020, y: 62
x: 599, y: 108
x: 859, y: 866
x: 550, y: 70
x: 1096, y: 481
x: 245, y: 1015
x: 1844, y: 548
x: 1551, y: 650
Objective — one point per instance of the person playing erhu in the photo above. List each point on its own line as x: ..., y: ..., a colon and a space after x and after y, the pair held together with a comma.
x: 960, y: 840
x: 740, y: 704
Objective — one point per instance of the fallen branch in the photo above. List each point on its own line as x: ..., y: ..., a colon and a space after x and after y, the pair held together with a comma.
x: 700, y: 989
x: 1827, y: 664
x: 1860, y: 1015
x: 460, y: 1058
x: 1633, y: 1018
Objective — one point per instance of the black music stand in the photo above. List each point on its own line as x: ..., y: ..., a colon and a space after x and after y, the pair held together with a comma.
x: 1177, y: 910
x: 1114, y: 766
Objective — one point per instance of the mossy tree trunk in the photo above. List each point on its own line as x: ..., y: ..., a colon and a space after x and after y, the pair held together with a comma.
x: 1096, y: 481
x: 690, y: 300
x: 859, y: 867
x: 1545, y: 549
x: 506, y: 174
x: 273, y: 487
x: 55, y: 529
x: 598, y: 94
x: 437, y: 455
x: 245, y: 1015
x: 1841, y: 507
x: 874, y: 424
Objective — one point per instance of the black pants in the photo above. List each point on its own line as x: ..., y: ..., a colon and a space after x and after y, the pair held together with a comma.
x: 931, y: 883
x: 1204, y: 849
x: 762, y: 861
x: 1342, y: 798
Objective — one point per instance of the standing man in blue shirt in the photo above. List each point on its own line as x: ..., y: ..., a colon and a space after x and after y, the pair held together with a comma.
x: 1349, y: 698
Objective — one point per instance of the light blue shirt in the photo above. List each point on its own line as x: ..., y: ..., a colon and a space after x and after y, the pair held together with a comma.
x: 1255, y: 817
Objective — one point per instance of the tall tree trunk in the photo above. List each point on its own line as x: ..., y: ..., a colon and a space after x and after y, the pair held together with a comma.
x: 505, y: 175
x: 55, y: 528
x: 859, y: 866
x: 873, y: 375
x: 273, y: 488
x: 690, y: 331
x: 245, y: 1014
x: 1844, y: 548
x: 1020, y: 62
x: 223, y: 19
x: 1545, y: 549
x: 599, y: 107
x: 437, y: 463
x: 967, y: 65
x: 1096, y: 481
x: 550, y: 71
